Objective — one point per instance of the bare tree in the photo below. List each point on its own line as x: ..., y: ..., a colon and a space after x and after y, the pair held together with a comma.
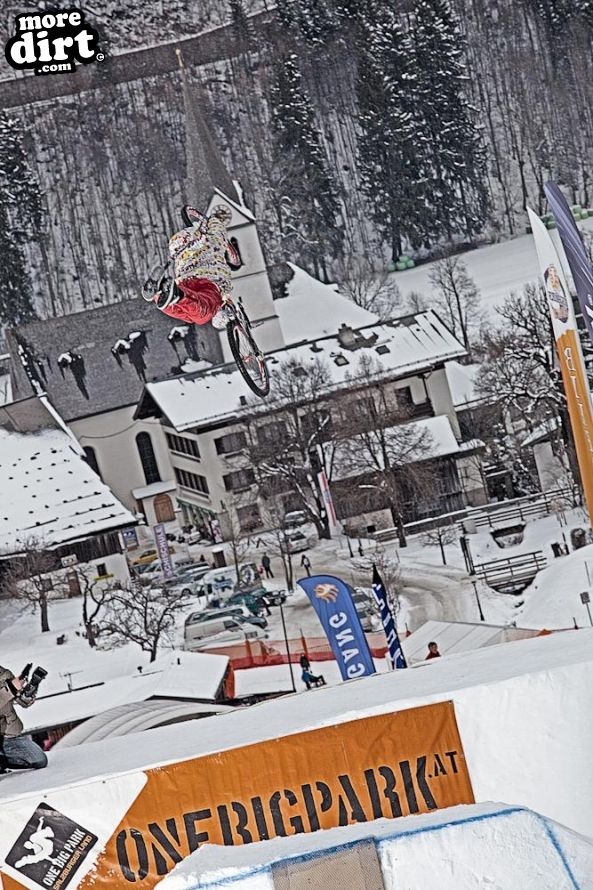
x: 233, y: 533
x: 458, y: 298
x: 95, y: 592
x: 380, y: 450
x: 441, y: 535
x: 285, y: 434
x: 32, y: 577
x: 277, y: 540
x: 143, y: 616
x: 370, y: 288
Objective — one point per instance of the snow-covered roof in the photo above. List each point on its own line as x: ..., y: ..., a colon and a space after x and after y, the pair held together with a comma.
x: 398, y: 348
x: 149, y: 491
x: 137, y: 717
x: 197, y: 678
x: 434, y: 434
x: 49, y: 492
x: 542, y: 432
x: 462, y: 383
x: 313, y: 309
x: 453, y: 637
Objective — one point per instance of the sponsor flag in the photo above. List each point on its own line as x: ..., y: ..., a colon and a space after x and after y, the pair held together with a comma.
x: 576, y: 255
x: 162, y: 548
x: 332, y: 600
x: 395, y: 650
x: 570, y: 355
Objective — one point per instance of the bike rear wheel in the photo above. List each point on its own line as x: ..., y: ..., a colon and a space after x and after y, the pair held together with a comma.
x: 250, y: 360
x: 192, y: 216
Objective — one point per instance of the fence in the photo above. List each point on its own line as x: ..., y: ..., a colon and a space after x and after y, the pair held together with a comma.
x: 266, y: 653
x: 541, y: 504
x: 512, y: 573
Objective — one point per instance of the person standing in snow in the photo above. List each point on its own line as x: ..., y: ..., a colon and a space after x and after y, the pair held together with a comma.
x: 203, y: 259
x: 267, y: 566
x: 306, y: 564
x: 433, y: 651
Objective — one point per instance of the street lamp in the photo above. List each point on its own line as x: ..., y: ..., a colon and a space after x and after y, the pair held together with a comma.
x: 475, y: 584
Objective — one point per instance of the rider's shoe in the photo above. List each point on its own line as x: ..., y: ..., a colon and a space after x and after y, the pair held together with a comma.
x: 221, y: 318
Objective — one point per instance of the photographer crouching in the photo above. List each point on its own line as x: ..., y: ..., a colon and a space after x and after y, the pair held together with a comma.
x: 18, y: 750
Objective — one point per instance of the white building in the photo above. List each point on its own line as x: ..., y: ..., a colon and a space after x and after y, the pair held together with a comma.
x: 209, y: 417
x: 51, y: 498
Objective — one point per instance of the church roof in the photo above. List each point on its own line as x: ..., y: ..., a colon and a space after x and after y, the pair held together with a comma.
x: 205, y: 168
x: 100, y: 359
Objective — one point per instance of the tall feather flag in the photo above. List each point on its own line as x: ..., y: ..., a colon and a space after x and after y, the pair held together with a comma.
x: 395, y: 650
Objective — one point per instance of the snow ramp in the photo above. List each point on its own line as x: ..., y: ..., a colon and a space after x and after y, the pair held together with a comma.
x: 489, y: 846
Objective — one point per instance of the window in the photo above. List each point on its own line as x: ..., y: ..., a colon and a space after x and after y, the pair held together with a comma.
x: 147, y: 458
x: 271, y: 433
x: 91, y: 459
x: 182, y: 445
x: 235, y: 244
x: 101, y: 570
x: 231, y: 443
x: 239, y: 480
x: 191, y: 480
x: 249, y: 518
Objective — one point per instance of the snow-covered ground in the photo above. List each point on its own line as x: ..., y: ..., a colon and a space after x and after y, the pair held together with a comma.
x: 459, y: 848
x: 497, y: 270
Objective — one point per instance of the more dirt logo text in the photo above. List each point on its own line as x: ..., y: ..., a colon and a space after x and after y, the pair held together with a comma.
x: 52, y: 42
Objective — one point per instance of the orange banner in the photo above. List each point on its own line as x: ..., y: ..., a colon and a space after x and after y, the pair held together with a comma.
x: 570, y: 354
x: 387, y: 766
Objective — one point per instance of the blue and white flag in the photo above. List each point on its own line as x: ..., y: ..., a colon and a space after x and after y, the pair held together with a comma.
x: 395, y: 649
x: 331, y: 599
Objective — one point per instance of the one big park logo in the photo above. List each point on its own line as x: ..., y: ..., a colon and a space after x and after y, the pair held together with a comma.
x: 52, y: 42
x: 50, y: 849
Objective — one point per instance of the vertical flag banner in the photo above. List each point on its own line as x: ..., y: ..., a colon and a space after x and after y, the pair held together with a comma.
x: 162, y: 547
x: 395, y: 650
x: 576, y: 255
x: 331, y: 599
x: 570, y: 355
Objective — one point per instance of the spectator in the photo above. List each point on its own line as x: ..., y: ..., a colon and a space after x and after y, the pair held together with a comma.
x: 202, y: 561
x: 19, y: 751
x: 304, y: 662
x: 433, y: 651
x: 310, y: 680
x: 266, y: 563
x: 306, y: 564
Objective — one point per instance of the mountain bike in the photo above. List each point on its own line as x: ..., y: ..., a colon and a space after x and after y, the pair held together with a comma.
x: 249, y: 358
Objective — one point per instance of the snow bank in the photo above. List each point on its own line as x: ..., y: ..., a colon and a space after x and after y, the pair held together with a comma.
x: 453, y: 849
x: 553, y: 600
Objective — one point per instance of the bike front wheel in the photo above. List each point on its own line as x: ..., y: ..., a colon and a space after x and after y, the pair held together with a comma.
x: 250, y: 360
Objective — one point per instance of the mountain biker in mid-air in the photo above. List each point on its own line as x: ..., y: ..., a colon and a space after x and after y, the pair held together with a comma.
x: 203, y: 260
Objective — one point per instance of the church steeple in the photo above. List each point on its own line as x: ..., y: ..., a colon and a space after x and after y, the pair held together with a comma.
x: 205, y: 170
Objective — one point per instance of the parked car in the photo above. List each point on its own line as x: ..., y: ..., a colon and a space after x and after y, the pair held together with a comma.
x: 365, y: 606
x: 214, y: 621
x: 145, y: 557
x: 295, y: 542
x: 233, y: 633
x: 255, y: 598
x: 295, y: 519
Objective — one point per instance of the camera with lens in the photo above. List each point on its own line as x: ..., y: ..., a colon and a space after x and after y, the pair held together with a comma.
x: 32, y: 681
